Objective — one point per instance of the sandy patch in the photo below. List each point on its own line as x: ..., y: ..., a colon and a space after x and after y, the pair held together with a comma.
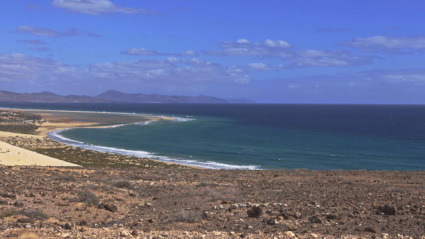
x: 12, y: 155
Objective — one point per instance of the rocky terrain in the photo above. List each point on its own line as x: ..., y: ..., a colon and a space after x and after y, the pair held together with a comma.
x: 103, y: 202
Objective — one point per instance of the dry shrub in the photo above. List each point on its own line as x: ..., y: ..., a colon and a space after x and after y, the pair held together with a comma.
x: 67, y: 178
x: 207, y: 184
x: 88, y: 197
x: 123, y: 184
x: 7, y: 213
x: 34, y: 214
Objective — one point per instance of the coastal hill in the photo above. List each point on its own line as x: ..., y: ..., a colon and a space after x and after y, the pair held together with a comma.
x: 111, y: 96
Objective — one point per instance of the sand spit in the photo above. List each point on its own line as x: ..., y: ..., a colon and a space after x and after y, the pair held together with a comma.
x: 12, y: 155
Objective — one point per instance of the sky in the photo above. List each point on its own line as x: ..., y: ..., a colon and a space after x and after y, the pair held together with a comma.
x: 303, y: 51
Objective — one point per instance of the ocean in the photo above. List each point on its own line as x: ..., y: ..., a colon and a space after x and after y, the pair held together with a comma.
x: 260, y: 136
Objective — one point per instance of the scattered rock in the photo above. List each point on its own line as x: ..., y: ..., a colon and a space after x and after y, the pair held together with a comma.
x: 372, y: 229
x: 25, y: 220
x: 331, y: 217
x: 67, y: 226
x: 292, y: 228
x: 255, y: 212
x: 18, y: 204
x: 272, y: 221
x: 387, y: 209
x: 315, y: 219
x: 109, y: 207
x: 289, y: 234
x: 131, y: 193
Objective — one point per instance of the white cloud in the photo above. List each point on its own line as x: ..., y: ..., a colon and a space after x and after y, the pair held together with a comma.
x: 70, y: 32
x: 173, y: 73
x: 283, y: 51
x: 188, y: 53
x: 140, y: 52
x: 15, y: 67
x: 387, y: 44
x: 145, y: 52
x: 293, y: 86
x: 34, y: 42
x: 278, y: 43
x: 243, y: 41
x: 257, y: 65
x: 98, y: 7
x: 329, y: 58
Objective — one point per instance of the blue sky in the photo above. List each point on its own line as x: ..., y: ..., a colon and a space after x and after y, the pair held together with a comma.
x: 316, y: 51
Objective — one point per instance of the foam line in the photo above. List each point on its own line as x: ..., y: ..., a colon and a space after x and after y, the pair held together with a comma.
x: 55, y: 135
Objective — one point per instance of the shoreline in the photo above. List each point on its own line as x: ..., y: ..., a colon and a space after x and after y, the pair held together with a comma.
x: 56, y: 123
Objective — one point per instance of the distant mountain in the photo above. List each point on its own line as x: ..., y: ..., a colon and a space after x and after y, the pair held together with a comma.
x: 155, y: 98
x: 111, y: 96
x: 46, y: 97
x: 240, y: 100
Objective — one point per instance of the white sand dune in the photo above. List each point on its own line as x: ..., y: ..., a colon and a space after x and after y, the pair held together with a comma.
x: 12, y: 155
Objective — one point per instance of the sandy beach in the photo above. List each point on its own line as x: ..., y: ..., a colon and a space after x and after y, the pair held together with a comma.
x: 12, y: 155
x: 48, y: 150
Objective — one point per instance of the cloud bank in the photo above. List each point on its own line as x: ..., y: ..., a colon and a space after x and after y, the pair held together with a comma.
x: 145, y: 52
x: 387, y: 44
x: 70, y: 32
x: 98, y: 7
x: 284, y: 51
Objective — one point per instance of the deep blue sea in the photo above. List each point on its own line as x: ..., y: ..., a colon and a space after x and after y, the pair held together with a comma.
x: 262, y: 136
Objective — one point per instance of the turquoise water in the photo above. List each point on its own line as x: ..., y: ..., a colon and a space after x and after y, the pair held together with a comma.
x: 265, y: 136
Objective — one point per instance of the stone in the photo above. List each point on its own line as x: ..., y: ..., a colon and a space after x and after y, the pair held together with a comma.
x: 272, y: 221
x: 315, y: 219
x: 289, y: 234
x: 83, y: 223
x: 124, y: 234
x: 387, y: 209
x: 25, y: 220
x: 18, y: 204
x: 83, y: 229
x: 331, y: 217
x: 28, y: 226
x: 372, y: 229
x: 67, y: 226
x: 66, y: 235
x: 135, y: 233
x: 111, y: 207
x: 131, y: 193
x: 234, y: 206
x: 255, y: 211
x: 292, y: 228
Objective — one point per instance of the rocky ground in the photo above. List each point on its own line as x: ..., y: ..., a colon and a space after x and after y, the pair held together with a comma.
x: 103, y: 202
